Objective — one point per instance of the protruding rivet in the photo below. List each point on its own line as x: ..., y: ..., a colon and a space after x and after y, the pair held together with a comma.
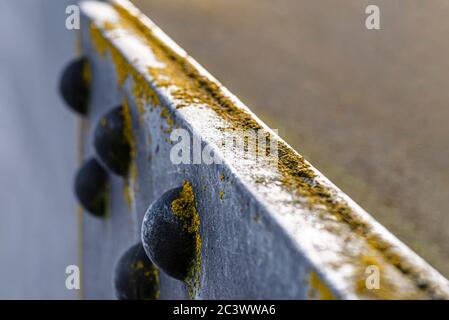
x: 91, y: 187
x: 111, y: 143
x: 135, y: 277
x: 166, y: 238
x: 74, y: 86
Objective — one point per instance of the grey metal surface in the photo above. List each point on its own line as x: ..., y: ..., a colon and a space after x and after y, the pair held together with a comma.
x: 259, y: 240
x: 37, y: 143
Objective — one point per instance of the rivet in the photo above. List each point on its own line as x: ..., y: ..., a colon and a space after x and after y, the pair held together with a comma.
x: 165, y: 239
x: 91, y: 187
x: 135, y: 277
x: 110, y: 142
x: 74, y: 86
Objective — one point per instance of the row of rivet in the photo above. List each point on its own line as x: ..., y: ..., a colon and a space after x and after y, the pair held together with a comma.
x: 165, y: 242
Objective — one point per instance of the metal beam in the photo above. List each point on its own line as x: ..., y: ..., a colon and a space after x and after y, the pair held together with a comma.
x: 269, y: 228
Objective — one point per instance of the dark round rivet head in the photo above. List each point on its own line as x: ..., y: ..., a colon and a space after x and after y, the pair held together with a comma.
x: 167, y: 241
x: 91, y: 187
x: 111, y: 143
x: 74, y: 85
x: 135, y: 277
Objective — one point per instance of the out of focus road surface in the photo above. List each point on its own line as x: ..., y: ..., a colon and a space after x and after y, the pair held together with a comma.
x: 369, y: 108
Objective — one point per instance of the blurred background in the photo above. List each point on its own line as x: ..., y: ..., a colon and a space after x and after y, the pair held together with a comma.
x: 38, y: 158
x: 368, y: 108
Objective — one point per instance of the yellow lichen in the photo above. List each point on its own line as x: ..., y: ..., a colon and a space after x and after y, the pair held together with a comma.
x: 166, y: 115
x: 120, y: 67
x: 127, y: 195
x: 128, y: 128
x: 143, y: 93
x: 109, y: 26
x: 221, y: 195
x: 133, y: 176
x: 141, y: 90
x: 138, y: 265
x: 152, y: 275
x: 318, y: 290
x: 184, y: 208
x: 129, y: 188
x: 99, y: 42
x: 87, y: 75
x: 130, y: 185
